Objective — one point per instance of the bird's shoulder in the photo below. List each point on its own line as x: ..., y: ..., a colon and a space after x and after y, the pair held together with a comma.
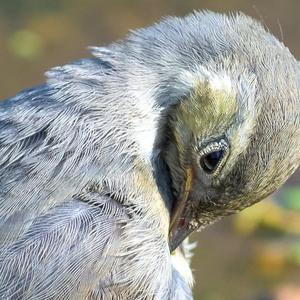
x: 47, y: 147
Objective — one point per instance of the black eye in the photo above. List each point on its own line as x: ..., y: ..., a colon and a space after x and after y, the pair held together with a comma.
x: 210, y: 161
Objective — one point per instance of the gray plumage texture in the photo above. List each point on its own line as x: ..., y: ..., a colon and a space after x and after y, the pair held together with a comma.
x: 93, y: 164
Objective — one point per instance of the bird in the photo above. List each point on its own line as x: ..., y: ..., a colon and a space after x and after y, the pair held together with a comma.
x: 109, y: 166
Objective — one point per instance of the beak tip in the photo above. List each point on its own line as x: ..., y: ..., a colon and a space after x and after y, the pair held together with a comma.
x: 178, y: 236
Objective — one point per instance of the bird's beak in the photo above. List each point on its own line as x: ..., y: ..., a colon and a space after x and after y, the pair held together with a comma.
x: 179, y: 221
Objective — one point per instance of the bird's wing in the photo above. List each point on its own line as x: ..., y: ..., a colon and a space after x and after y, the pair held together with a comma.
x: 65, y: 253
x: 42, y: 162
x: 47, y: 159
x: 47, y: 147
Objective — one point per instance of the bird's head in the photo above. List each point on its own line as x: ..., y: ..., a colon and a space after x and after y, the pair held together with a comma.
x: 234, y: 137
x: 224, y: 156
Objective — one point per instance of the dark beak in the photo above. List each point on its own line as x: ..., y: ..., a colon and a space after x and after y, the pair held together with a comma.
x: 180, y: 222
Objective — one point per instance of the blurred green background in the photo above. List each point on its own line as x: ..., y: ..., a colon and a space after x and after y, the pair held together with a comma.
x: 254, y: 255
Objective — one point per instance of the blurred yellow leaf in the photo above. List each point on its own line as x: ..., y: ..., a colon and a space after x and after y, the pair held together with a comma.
x: 25, y: 44
x: 270, y: 260
x: 269, y: 216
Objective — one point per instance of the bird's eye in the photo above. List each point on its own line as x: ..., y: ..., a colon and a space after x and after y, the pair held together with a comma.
x: 213, y: 156
x: 210, y: 161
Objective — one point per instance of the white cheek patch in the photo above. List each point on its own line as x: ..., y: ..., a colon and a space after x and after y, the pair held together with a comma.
x: 145, y: 122
x: 248, y: 112
x: 216, y: 82
x: 241, y: 134
x: 144, y: 135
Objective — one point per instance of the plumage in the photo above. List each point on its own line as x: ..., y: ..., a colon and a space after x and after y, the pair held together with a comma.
x: 94, y: 162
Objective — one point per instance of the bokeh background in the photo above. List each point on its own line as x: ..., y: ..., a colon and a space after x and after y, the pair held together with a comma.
x: 254, y: 255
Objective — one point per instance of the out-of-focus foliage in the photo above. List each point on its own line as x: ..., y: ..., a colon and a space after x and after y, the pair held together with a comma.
x: 280, y: 228
x: 291, y: 198
x: 255, y: 253
x: 269, y: 216
x: 26, y: 44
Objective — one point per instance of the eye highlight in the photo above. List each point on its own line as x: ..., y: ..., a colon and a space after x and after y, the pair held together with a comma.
x: 213, y: 157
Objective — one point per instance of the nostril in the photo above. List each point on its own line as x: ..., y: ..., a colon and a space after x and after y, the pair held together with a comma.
x: 182, y: 223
